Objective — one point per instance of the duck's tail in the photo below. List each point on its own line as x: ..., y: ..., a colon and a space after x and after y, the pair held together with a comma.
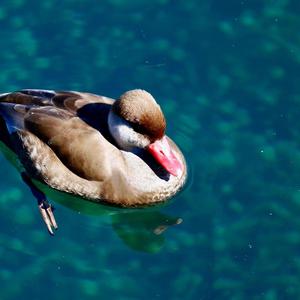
x: 12, y: 115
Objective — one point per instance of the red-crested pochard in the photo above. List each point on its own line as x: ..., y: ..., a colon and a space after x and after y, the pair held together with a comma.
x: 105, y: 150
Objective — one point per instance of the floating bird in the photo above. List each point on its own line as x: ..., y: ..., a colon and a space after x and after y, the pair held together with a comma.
x: 104, y: 150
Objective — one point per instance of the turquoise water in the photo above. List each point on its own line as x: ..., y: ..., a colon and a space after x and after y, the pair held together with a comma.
x: 226, y: 74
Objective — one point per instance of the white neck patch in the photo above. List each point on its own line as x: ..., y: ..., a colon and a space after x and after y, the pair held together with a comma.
x: 124, y: 134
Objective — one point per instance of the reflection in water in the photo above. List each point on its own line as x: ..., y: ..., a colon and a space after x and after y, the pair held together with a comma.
x: 139, y: 228
x: 142, y: 231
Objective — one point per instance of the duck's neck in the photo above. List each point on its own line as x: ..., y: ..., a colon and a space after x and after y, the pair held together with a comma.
x: 118, y: 129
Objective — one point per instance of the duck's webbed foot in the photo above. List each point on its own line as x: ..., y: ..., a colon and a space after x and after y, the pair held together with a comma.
x: 45, y: 208
x: 46, y: 211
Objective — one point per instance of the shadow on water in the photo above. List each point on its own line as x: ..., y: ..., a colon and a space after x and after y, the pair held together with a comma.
x: 140, y: 229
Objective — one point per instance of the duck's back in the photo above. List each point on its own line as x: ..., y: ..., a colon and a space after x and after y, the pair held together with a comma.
x: 73, y: 125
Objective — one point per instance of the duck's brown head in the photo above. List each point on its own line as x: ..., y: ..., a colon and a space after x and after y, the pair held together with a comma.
x: 136, y: 120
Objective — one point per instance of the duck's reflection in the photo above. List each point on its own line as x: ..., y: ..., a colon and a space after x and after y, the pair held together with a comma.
x: 143, y: 231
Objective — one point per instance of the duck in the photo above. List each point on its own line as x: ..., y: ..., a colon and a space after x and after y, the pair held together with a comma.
x: 113, y: 152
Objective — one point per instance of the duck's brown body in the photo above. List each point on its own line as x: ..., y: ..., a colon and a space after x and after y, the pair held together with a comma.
x: 62, y: 139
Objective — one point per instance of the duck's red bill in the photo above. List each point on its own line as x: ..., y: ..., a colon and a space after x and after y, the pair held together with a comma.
x: 162, y: 152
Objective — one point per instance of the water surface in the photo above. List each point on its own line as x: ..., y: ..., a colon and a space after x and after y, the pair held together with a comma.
x: 226, y: 74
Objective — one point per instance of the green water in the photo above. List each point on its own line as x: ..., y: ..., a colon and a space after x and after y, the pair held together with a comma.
x: 226, y: 74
